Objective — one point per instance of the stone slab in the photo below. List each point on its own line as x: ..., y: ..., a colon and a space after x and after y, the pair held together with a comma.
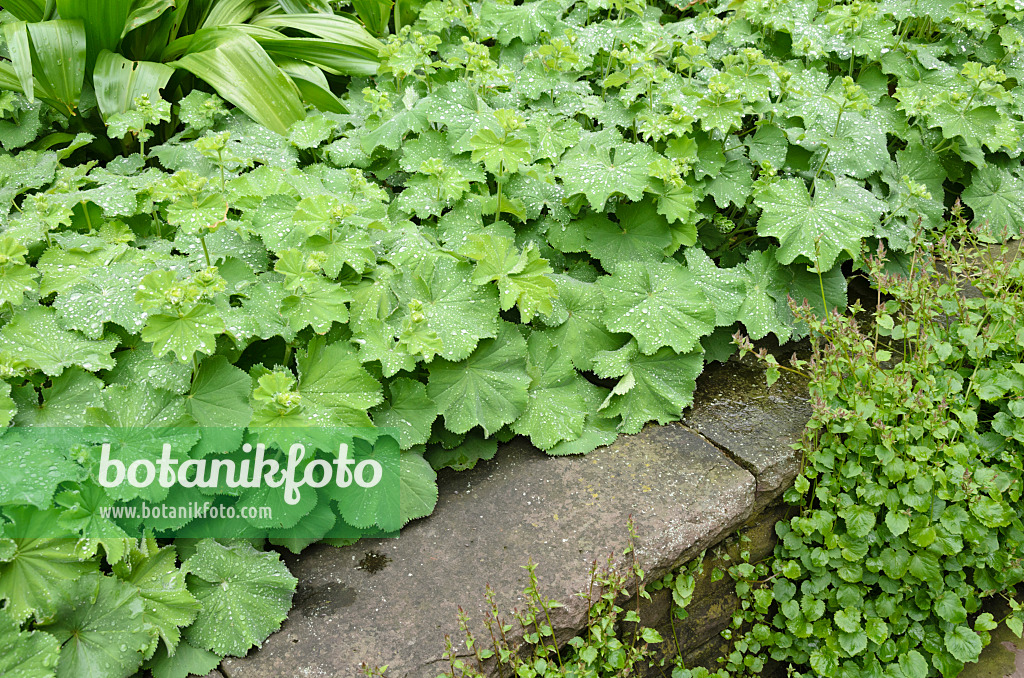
x: 735, y: 410
x: 394, y: 601
x: 1004, y: 656
x: 698, y: 637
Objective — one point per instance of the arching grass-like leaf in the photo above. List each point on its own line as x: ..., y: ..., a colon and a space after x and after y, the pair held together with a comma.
x: 104, y: 22
x: 118, y: 81
x: 27, y: 10
x: 58, y: 62
x: 244, y: 74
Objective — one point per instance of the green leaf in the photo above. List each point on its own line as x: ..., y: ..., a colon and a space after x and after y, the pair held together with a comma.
x: 600, y: 171
x: 768, y: 145
x: 417, y: 487
x: 525, y: 22
x: 819, y: 229
x: 641, y: 234
x: 876, y: 629
x: 16, y: 277
x: 847, y: 620
x: 26, y: 10
x: 454, y: 308
x: 335, y: 389
x: 976, y: 126
x: 997, y: 198
x: 658, y: 303
x: 187, y: 661
x: 913, y: 665
x: 100, y: 627
x: 119, y: 81
x: 43, y: 559
x: 311, y: 132
x: 319, y: 303
x: 33, y: 483
x: 949, y: 607
x: 184, y: 332
x: 104, y: 23
x: 560, y: 399
x: 245, y: 594
x: 655, y: 387
x: 58, y: 60
x: 763, y: 293
x: 168, y: 604
x: 27, y: 654
x: 732, y: 184
x: 925, y: 566
x: 408, y: 409
x: 136, y: 362
x: 500, y: 155
x: 964, y: 644
x: 35, y: 337
x: 489, y: 389
x: 577, y: 322
x: 860, y: 520
x: 464, y: 456
x: 897, y: 523
x: 992, y: 512
x: 523, y: 277
x: 374, y: 14
x: 219, y: 395
x: 391, y: 505
x: 62, y: 403
x: 722, y: 286
x: 242, y: 73
x: 341, y: 46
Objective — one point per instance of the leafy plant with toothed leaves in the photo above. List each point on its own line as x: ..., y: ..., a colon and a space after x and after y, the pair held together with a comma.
x: 537, y: 219
x: 906, y: 544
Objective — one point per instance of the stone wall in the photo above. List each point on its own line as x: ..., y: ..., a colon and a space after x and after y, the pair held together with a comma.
x: 687, y: 487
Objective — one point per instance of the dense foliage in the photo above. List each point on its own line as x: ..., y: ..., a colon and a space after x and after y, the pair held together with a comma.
x: 910, y: 513
x: 537, y: 219
x: 90, y: 61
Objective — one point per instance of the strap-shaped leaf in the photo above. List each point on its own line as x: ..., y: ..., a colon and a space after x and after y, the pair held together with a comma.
x: 104, y: 22
x: 144, y: 11
x: 26, y: 10
x: 333, y: 57
x: 16, y: 34
x: 58, y: 62
x: 228, y: 12
x: 244, y: 74
x: 374, y: 13
x: 118, y: 81
x: 313, y: 86
x: 335, y: 29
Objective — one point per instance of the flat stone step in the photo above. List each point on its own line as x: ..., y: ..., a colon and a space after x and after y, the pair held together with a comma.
x: 1003, y: 658
x: 393, y: 601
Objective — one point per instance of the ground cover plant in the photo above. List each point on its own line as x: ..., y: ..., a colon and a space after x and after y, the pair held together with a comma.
x: 909, y: 515
x: 536, y: 219
x: 908, y: 521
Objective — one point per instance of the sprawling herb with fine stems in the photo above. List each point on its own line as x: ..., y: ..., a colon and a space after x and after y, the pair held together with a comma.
x: 909, y: 499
